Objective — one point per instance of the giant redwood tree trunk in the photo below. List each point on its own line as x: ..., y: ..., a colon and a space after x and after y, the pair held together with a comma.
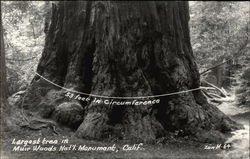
x: 118, y: 48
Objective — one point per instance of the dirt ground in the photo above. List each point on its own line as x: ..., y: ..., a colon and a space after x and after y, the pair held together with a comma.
x: 177, y: 148
x: 167, y: 148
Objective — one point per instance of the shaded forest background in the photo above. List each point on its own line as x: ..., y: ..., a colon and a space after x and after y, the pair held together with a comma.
x: 218, y: 30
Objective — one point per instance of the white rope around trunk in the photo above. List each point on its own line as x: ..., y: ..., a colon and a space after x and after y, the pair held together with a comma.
x: 100, y: 96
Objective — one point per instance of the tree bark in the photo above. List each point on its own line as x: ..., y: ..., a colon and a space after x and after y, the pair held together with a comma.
x: 3, y: 86
x: 116, y: 48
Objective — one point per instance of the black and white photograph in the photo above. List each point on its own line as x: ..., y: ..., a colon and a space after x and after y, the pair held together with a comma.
x: 125, y: 79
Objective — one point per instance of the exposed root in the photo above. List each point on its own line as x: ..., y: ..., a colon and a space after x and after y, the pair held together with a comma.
x: 38, y: 124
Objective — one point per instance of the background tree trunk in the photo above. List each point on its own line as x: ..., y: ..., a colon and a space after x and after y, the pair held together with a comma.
x: 3, y: 86
x: 124, y: 49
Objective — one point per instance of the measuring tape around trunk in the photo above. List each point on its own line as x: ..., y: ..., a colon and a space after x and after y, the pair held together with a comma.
x: 101, y: 96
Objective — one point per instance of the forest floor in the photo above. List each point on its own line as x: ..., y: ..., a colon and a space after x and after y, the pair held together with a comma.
x: 173, y: 148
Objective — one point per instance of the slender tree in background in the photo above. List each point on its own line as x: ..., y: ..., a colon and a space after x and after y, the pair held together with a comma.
x: 3, y: 87
x: 47, y: 8
x: 116, y: 48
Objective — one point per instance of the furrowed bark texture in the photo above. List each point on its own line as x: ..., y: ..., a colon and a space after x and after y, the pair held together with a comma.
x: 126, y: 49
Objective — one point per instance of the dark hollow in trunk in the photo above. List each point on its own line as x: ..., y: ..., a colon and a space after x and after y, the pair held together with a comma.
x: 124, y: 49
